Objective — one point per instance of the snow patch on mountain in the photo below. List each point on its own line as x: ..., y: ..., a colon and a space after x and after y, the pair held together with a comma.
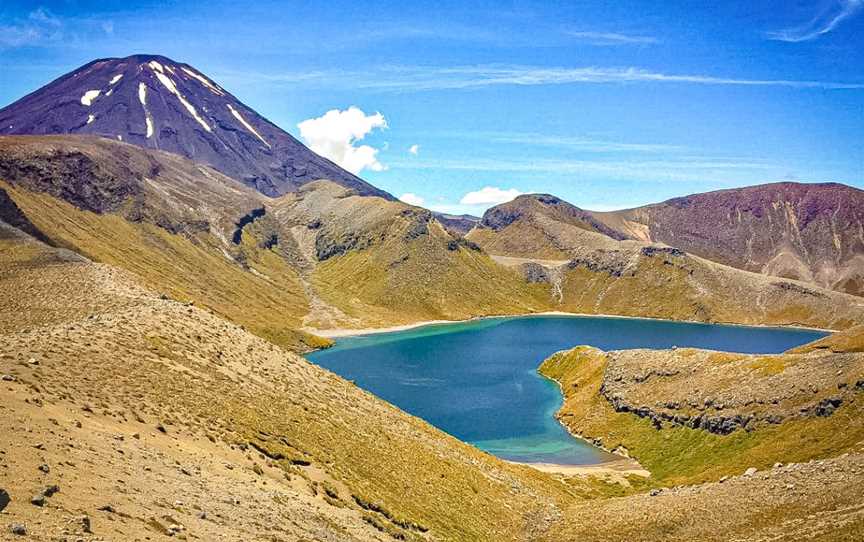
x: 172, y: 88
x: 156, y: 67
x: 142, y: 94
x: 248, y: 126
x: 116, y: 78
x: 203, y: 80
x: 90, y: 118
x: 89, y: 96
x: 149, y: 122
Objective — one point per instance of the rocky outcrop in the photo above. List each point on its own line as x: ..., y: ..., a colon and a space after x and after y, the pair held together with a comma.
x: 721, y: 392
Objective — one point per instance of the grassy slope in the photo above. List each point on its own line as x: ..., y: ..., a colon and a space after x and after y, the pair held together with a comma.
x: 421, y: 279
x: 680, y: 455
x: 690, y: 288
x: 851, y: 340
x: 183, y: 268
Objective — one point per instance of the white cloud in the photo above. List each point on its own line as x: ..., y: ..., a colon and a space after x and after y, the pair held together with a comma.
x: 611, y: 38
x: 334, y: 135
x: 489, y: 195
x: 822, y: 23
x: 414, y: 149
x: 412, y: 199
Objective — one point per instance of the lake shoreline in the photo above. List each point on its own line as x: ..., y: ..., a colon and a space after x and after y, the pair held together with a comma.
x: 337, y: 333
x: 623, y: 464
x: 619, y: 464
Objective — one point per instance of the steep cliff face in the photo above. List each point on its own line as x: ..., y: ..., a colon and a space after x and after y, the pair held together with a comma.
x: 808, y: 232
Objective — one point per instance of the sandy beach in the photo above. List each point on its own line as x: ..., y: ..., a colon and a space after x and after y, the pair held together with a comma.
x: 623, y: 467
x: 349, y: 332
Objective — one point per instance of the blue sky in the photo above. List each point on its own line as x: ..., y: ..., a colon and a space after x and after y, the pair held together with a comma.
x: 606, y: 104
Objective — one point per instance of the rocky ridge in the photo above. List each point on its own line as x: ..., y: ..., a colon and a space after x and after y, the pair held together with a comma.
x: 808, y: 232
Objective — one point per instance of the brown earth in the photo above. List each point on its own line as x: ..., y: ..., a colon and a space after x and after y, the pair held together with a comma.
x: 808, y: 232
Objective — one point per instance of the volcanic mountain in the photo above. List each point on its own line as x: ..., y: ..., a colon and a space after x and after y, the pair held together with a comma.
x: 809, y: 232
x: 154, y: 102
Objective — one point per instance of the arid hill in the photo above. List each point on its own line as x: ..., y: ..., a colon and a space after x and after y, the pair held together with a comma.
x: 808, y: 232
x: 541, y: 226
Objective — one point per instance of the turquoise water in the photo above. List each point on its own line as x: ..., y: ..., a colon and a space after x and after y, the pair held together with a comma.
x: 478, y: 380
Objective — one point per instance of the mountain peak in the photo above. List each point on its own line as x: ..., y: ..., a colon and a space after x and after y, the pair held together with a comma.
x: 154, y: 102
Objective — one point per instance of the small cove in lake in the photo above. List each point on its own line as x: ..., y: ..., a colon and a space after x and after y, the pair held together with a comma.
x: 478, y: 380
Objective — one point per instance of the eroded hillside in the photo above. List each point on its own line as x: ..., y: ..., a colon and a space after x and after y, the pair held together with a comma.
x: 808, y: 232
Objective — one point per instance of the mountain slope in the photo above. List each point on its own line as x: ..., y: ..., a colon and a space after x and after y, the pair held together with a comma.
x: 274, y: 265
x: 150, y: 413
x: 587, y: 269
x: 541, y: 226
x: 233, y: 438
x: 167, y: 220
x: 808, y: 232
x: 154, y: 102
x: 386, y: 263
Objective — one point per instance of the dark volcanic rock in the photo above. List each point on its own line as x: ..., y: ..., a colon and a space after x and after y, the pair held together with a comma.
x: 72, y: 176
x: 157, y: 103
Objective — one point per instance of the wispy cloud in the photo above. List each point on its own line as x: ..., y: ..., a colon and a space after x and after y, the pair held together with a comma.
x: 41, y: 27
x: 415, y: 78
x: 582, y: 144
x: 687, y: 169
x: 824, y: 22
x: 612, y: 38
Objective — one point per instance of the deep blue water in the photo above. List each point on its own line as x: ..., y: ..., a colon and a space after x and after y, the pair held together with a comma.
x: 478, y: 380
